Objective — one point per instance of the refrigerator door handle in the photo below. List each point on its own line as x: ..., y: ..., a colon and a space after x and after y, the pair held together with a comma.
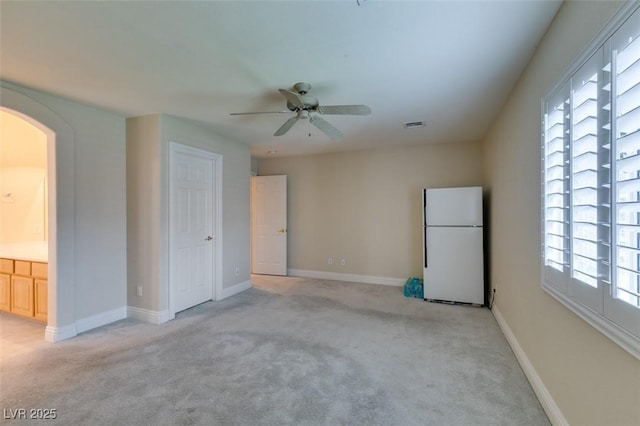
x: 424, y: 224
x: 425, y: 245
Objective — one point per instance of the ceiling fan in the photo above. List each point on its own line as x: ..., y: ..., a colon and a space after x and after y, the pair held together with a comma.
x: 306, y: 107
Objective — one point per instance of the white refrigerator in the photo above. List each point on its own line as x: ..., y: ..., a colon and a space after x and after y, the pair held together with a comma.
x: 453, y: 245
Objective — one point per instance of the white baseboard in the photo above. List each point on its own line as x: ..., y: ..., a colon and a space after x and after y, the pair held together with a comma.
x: 147, y: 315
x: 103, y: 318
x: 54, y: 334
x: 366, y: 279
x: 235, y: 289
x: 546, y: 400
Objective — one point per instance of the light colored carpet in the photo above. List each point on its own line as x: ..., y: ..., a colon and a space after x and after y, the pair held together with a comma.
x: 289, y: 351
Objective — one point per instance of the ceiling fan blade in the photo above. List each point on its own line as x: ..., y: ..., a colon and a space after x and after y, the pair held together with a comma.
x: 345, y: 109
x: 286, y: 126
x: 293, y: 98
x: 325, y: 127
x: 260, y: 112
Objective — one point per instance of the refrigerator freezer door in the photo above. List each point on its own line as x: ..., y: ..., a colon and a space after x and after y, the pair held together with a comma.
x: 454, y: 206
x: 454, y: 269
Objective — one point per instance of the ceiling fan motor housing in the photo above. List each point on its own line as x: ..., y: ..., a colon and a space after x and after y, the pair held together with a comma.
x: 310, y: 103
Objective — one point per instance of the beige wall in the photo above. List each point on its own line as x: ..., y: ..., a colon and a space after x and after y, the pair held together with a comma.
x: 148, y: 141
x: 236, y: 169
x: 364, y: 206
x: 22, y: 214
x: 88, y: 280
x: 591, y: 379
x: 23, y: 162
x: 143, y: 219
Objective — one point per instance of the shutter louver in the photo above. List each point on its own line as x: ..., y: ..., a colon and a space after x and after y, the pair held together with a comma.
x: 584, y: 181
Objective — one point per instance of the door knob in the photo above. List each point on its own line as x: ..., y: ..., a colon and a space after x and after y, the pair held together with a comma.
x: 209, y: 238
x: 282, y: 230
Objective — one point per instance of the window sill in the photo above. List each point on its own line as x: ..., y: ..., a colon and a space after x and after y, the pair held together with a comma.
x: 610, y: 329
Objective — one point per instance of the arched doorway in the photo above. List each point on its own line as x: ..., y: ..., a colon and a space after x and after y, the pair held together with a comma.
x: 24, y: 220
x: 61, y: 224
x: 23, y: 217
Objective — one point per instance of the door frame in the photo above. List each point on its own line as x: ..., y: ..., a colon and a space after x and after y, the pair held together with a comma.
x: 61, y: 321
x: 216, y: 285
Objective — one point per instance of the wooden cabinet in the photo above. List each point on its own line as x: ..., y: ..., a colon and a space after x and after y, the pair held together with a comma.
x: 39, y: 270
x: 23, y: 288
x: 5, y: 292
x: 22, y: 268
x: 41, y: 300
x: 22, y: 295
x: 6, y: 266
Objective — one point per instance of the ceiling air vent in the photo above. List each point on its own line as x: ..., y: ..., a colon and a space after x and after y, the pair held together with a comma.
x: 413, y: 124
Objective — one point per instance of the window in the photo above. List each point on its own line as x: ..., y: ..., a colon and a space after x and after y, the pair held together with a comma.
x: 591, y: 184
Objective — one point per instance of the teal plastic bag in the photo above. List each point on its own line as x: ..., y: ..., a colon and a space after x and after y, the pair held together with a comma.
x: 414, y: 288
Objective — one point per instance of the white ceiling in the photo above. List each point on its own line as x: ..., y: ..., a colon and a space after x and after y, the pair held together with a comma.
x: 448, y: 63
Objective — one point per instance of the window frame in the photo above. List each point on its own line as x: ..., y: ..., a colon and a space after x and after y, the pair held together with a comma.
x: 557, y: 283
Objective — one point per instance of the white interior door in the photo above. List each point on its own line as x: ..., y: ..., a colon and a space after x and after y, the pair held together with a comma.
x: 191, y: 221
x: 269, y: 225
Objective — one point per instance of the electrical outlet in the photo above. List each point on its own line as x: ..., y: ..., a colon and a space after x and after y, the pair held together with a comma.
x: 343, y: 262
x: 237, y: 271
x: 330, y: 261
x: 139, y: 290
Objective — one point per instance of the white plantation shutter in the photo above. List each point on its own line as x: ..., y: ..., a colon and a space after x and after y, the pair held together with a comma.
x: 624, y: 54
x: 591, y: 185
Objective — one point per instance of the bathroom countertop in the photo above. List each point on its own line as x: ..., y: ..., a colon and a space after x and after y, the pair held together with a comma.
x: 36, y: 251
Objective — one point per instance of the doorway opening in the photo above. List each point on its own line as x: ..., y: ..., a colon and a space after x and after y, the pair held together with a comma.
x: 27, y: 227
